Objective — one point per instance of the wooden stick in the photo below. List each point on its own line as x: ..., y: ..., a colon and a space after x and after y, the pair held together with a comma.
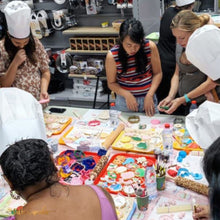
x: 174, y: 208
x: 111, y: 138
x: 104, y: 159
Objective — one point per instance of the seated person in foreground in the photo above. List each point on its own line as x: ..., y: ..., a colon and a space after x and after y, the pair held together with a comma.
x: 211, y: 169
x: 29, y: 169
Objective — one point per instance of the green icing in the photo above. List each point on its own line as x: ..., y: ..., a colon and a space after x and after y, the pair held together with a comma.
x: 136, y: 138
x: 140, y: 172
x: 142, y: 145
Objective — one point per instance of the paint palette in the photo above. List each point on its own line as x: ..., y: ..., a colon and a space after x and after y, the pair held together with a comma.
x: 123, y: 171
x: 55, y: 124
x: 139, y: 140
x: 75, y: 166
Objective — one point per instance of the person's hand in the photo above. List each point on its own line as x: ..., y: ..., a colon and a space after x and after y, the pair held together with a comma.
x: 44, y: 95
x: 209, y: 97
x: 164, y: 103
x: 20, y: 57
x: 173, y: 105
x: 201, y: 212
x: 131, y: 102
x: 149, y: 105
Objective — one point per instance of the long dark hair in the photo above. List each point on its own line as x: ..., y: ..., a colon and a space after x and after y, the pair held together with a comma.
x: 30, y: 48
x: 211, y: 169
x: 134, y: 29
x: 28, y: 162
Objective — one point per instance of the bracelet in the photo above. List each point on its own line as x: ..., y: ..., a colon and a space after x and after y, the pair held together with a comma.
x: 133, y: 119
x: 187, y: 98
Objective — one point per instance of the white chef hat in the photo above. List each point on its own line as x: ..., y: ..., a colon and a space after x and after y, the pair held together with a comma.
x: 203, y: 50
x: 181, y: 3
x: 18, y: 17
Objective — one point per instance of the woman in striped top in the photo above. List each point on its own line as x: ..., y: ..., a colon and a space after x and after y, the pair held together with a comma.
x: 133, y: 69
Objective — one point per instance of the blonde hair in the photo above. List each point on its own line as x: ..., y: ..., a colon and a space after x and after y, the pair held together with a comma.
x: 187, y: 20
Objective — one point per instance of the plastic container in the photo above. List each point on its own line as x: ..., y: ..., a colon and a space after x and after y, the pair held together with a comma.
x: 150, y: 181
x: 113, y: 115
x: 167, y: 136
x: 193, y: 106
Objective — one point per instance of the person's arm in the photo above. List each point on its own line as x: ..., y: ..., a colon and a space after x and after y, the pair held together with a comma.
x: 45, y: 80
x: 200, y: 90
x: 156, y: 79
x: 8, y: 78
x: 173, y: 90
x: 111, y: 71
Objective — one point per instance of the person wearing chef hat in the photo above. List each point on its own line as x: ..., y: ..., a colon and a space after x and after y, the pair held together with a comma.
x: 167, y: 48
x: 183, y: 26
x: 23, y: 59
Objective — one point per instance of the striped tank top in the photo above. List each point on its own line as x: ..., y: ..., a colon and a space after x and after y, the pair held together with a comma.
x: 138, y: 83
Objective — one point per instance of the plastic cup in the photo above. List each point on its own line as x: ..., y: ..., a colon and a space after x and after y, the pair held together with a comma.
x: 142, y: 202
x: 160, y: 182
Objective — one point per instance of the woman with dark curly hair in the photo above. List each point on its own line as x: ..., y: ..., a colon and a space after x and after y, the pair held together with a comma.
x: 133, y: 69
x: 29, y: 169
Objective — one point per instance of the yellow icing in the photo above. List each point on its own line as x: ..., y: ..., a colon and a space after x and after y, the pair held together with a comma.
x: 128, y: 146
x: 125, y: 139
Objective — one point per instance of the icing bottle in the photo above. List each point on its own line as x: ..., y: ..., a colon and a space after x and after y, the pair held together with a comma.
x: 150, y: 181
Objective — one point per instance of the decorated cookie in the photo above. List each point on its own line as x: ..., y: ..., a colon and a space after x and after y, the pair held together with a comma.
x: 131, y: 166
x: 121, y: 169
x: 125, y: 139
x: 136, y: 138
x: 112, y: 175
x: 141, y: 160
x: 115, y: 187
x: 128, y: 190
x: 142, y: 145
x: 119, y: 160
x: 127, y: 175
x: 128, y: 161
x: 111, y: 167
x: 104, y: 135
x: 127, y: 146
x: 140, y: 172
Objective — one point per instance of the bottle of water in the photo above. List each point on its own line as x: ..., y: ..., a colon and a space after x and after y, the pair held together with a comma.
x: 193, y: 106
x: 167, y: 135
x: 150, y: 181
x: 113, y: 115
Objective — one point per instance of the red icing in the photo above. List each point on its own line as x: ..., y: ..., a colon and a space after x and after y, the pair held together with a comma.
x: 172, y: 173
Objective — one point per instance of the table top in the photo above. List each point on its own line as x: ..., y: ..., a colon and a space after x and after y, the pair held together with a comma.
x: 177, y: 197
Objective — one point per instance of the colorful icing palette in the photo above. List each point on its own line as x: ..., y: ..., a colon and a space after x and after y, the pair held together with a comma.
x: 123, y: 171
x: 75, y: 166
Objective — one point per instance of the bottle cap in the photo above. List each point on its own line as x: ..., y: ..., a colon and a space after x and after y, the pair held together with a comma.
x: 112, y: 104
x: 167, y: 125
x: 193, y: 101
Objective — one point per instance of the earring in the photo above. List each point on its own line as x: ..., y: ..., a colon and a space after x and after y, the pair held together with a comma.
x: 14, y: 195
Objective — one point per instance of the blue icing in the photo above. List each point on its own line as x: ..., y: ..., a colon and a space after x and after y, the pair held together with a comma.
x: 116, y: 187
x: 128, y: 160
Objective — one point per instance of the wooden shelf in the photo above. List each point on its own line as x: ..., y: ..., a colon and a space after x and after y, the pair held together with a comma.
x: 84, y: 76
x: 93, y: 31
x: 87, y: 52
